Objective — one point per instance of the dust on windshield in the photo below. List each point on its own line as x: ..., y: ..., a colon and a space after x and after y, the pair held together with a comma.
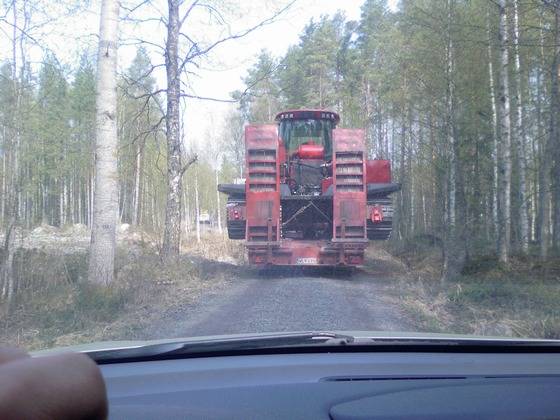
x: 148, y: 190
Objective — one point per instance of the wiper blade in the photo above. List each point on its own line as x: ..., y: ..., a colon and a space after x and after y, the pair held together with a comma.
x: 455, y: 341
x: 319, y: 340
x: 234, y: 344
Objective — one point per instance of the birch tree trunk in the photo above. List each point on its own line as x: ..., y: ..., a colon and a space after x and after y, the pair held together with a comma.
x: 7, y: 278
x: 137, y: 179
x: 218, y: 204
x: 172, y: 230
x: 454, y: 251
x: 505, y: 140
x: 197, y: 209
x: 495, y: 223
x: 541, y: 138
x: 553, y: 141
x: 520, y: 138
x: 105, y: 198
x: 555, y: 133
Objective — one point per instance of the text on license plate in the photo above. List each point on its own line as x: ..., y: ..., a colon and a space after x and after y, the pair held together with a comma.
x: 306, y: 261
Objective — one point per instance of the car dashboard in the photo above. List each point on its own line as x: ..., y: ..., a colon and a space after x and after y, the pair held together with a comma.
x: 338, y: 386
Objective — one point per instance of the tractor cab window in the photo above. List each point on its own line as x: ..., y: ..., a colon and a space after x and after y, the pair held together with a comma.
x: 309, y: 131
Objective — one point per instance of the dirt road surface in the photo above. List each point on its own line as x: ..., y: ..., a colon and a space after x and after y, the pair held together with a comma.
x: 292, y: 300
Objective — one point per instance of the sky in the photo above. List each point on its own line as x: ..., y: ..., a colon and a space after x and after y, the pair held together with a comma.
x: 217, y: 76
x: 236, y: 58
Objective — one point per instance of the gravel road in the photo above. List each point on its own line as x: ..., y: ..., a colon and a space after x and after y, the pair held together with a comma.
x: 293, y: 301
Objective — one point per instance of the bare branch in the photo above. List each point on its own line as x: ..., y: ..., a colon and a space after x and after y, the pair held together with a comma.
x: 187, y: 13
x: 136, y: 82
x: 139, y: 41
x: 207, y: 98
x: 131, y: 10
x: 191, y: 161
x: 200, y: 52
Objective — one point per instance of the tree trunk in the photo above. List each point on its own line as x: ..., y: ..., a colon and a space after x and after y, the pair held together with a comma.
x: 3, y: 189
x: 197, y: 209
x: 454, y: 251
x: 7, y: 269
x: 105, y: 199
x: 520, y: 139
x: 545, y: 180
x: 505, y: 140
x: 541, y: 138
x: 494, y: 133
x: 555, y: 134
x: 137, y: 172
x: 13, y: 182
x: 172, y: 233
x: 218, y: 204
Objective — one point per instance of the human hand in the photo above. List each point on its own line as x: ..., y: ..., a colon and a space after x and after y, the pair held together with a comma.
x: 64, y: 386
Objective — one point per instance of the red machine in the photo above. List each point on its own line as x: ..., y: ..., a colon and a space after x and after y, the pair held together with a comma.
x: 310, y: 196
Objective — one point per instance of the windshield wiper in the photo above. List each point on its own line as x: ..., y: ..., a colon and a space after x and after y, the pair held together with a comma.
x: 234, y: 344
x: 319, y: 341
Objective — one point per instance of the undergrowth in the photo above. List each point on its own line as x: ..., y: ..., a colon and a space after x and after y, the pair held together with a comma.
x: 56, y: 306
x: 488, y: 298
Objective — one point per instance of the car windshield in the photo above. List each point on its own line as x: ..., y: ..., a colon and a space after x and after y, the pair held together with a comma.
x: 153, y: 185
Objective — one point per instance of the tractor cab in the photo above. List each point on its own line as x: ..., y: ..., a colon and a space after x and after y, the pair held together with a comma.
x: 307, y: 134
x: 306, y: 137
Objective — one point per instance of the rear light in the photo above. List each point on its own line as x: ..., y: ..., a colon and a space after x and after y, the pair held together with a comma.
x: 376, y: 214
x: 235, y: 214
x: 355, y: 259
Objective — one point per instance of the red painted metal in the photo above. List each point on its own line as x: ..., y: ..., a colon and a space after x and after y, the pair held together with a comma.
x: 308, y: 253
x: 281, y: 151
x: 349, y: 198
x: 262, y: 185
x: 310, y: 151
x: 378, y: 171
x: 326, y: 183
x: 265, y: 155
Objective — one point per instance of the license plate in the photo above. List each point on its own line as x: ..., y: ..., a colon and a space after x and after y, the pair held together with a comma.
x: 306, y: 261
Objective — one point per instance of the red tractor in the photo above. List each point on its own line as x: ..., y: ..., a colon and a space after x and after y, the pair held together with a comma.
x: 310, y: 197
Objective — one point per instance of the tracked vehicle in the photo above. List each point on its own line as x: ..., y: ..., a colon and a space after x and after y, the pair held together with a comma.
x: 310, y: 196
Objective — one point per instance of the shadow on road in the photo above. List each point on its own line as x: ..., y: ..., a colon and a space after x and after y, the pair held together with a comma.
x: 277, y: 272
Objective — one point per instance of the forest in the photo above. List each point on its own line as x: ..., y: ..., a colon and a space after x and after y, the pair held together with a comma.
x: 461, y: 95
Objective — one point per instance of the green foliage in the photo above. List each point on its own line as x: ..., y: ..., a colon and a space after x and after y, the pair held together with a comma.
x: 393, y: 72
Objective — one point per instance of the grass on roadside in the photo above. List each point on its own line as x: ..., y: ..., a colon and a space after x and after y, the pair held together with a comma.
x: 56, y: 306
x: 521, y: 300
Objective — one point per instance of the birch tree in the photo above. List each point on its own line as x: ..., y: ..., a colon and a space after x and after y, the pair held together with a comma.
x: 554, y: 145
x: 197, y: 206
x: 172, y: 233
x: 492, y: 83
x: 505, y: 138
x: 520, y: 137
x: 177, y: 62
x: 454, y: 248
x: 103, y: 241
x: 218, y: 202
x: 553, y: 141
